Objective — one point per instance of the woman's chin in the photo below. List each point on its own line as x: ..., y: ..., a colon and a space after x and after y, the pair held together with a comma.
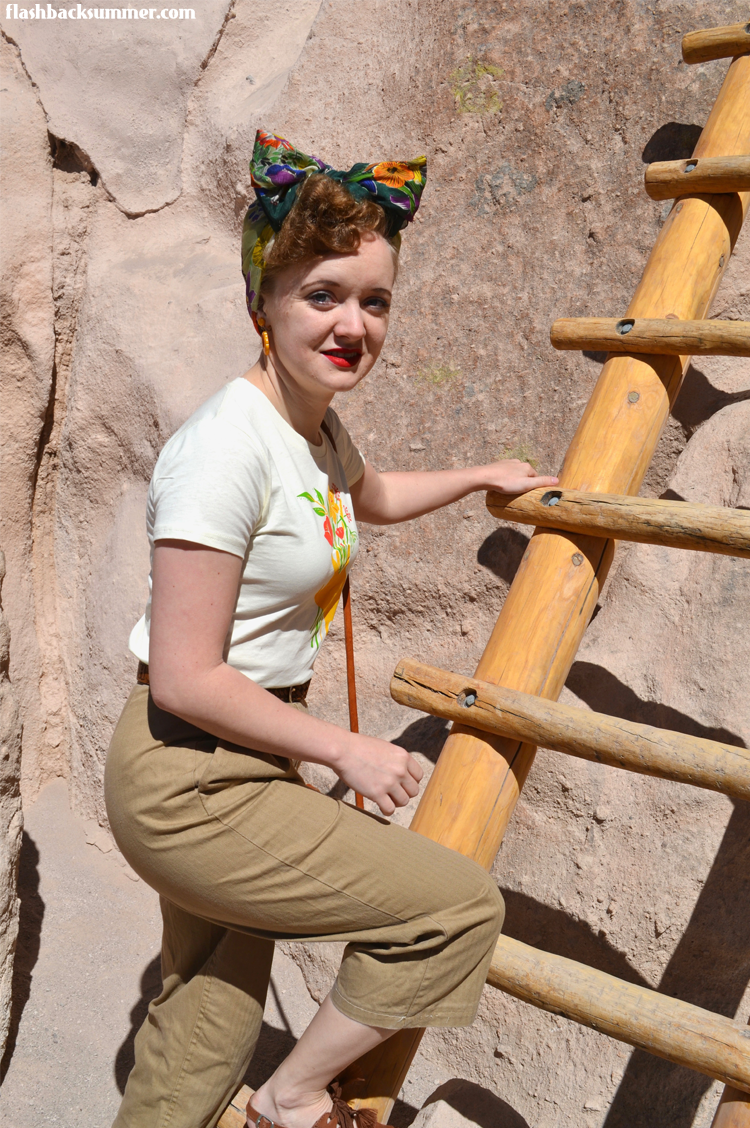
x: 338, y: 377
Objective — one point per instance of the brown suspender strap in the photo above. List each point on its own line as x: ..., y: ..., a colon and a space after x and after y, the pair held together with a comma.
x: 351, y: 685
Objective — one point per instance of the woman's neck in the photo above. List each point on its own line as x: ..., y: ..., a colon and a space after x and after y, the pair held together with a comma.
x: 302, y: 413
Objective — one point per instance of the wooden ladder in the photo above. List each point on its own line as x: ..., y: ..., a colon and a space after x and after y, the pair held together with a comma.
x: 510, y: 706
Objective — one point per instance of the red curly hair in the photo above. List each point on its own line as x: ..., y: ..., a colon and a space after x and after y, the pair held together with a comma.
x: 325, y: 219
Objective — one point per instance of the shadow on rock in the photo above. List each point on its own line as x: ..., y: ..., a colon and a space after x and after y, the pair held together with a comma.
x: 674, y: 141
x: 699, y: 400
x: 30, y: 917
x: 710, y: 967
x: 502, y: 551
x: 427, y: 736
x: 272, y: 1047
x: 554, y: 931
x: 476, y: 1105
x: 605, y: 693
x: 150, y: 988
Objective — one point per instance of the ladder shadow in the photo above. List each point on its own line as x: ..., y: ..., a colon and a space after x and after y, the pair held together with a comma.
x: 673, y: 141
x: 699, y: 400
x: 556, y: 931
x: 475, y: 1105
x: 710, y: 965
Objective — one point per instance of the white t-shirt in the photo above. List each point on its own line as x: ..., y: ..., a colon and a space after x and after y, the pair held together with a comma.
x: 237, y: 477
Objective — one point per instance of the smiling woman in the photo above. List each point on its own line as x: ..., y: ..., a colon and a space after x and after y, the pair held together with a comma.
x: 252, y: 519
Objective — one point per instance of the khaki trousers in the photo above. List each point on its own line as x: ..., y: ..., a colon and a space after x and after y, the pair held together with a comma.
x: 242, y: 854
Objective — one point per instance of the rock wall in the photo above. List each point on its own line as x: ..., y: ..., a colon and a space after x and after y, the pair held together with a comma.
x: 125, y: 176
x: 11, y: 824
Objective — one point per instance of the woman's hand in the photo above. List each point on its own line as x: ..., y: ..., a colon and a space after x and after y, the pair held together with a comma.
x: 194, y: 593
x: 511, y: 476
x: 383, y: 772
x: 384, y: 499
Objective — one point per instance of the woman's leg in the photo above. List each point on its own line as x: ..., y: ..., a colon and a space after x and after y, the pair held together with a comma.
x: 271, y: 859
x: 296, y: 1095
x: 200, y: 1033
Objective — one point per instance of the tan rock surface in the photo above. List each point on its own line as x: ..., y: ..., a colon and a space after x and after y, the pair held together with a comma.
x: 120, y: 324
x: 119, y: 89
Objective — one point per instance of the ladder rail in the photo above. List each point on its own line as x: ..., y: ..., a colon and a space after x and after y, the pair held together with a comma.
x: 642, y: 520
x: 573, y: 731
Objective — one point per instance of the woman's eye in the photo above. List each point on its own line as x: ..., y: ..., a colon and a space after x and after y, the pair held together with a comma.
x: 378, y: 305
x: 321, y: 297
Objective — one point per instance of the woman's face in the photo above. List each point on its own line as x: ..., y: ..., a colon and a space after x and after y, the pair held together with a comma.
x: 328, y: 318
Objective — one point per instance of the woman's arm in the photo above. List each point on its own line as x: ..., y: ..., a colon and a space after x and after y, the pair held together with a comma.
x: 384, y: 499
x: 193, y: 599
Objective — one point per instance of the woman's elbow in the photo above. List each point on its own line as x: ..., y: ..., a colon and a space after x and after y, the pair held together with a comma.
x: 167, y: 692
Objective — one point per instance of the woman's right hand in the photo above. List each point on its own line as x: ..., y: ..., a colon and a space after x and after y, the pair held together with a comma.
x: 381, y: 771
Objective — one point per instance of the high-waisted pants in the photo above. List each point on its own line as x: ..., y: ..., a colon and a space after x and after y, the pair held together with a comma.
x: 242, y: 853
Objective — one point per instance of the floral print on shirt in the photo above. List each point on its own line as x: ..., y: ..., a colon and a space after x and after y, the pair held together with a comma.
x: 338, y: 530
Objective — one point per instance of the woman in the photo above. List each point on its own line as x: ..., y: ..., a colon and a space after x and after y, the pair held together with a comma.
x: 251, y: 517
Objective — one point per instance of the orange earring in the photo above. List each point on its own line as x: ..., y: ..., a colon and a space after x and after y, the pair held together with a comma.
x: 261, y: 322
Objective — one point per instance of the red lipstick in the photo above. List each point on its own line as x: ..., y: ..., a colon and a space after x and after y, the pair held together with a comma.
x: 343, y: 358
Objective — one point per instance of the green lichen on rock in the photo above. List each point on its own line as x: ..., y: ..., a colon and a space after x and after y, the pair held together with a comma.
x: 523, y: 452
x: 473, y: 87
x: 438, y: 373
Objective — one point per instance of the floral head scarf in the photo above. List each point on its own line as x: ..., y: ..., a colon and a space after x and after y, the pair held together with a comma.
x: 277, y: 169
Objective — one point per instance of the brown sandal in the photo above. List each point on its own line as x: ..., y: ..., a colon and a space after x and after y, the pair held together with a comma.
x: 341, y: 1115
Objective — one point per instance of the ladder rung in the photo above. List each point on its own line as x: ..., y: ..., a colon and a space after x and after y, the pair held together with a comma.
x: 659, y: 1024
x: 716, y: 43
x: 663, y: 336
x: 234, y: 1115
x: 577, y: 732
x: 666, y: 180
x: 675, y: 524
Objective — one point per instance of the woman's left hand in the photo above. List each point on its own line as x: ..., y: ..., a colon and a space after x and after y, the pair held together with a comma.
x: 384, y: 499
x: 511, y: 476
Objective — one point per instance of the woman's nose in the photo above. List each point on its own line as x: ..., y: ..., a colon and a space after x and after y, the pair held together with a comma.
x: 350, y: 323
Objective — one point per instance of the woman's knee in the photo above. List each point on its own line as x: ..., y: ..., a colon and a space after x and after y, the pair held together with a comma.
x: 494, y: 902
x: 483, y: 900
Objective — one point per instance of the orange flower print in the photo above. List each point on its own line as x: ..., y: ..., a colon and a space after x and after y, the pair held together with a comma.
x: 393, y: 173
x: 338, y: 531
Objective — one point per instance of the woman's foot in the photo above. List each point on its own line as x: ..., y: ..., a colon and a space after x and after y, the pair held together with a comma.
x: 328, y: 1110
x: 288, y: 1110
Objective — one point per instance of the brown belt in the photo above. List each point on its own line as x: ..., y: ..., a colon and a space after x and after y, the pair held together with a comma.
x: 288, y: 693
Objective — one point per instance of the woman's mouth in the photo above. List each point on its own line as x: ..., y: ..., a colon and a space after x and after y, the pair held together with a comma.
x: 343, y: 358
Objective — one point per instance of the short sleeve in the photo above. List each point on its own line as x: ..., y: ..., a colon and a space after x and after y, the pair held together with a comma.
x: 351, y: 459
x: 210, y: 486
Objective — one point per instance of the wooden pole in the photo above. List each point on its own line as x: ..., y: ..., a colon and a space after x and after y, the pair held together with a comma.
x: 716, y: 43
x: 675, y: 524
x: 666, y: 180
x: 475, y: 785
x: 733, y: 1110
x: 576, y: 732
x: 659, y: 1024
x: 659, y: 336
